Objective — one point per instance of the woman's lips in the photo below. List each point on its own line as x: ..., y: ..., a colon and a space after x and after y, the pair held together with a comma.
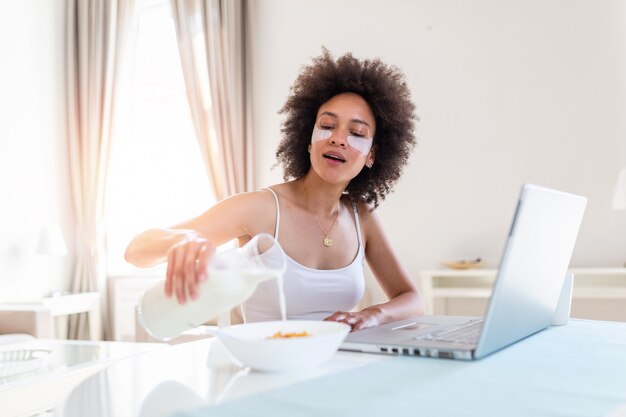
x: 334, y: 157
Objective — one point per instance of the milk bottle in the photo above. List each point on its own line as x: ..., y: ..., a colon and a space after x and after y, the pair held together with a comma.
x: 233, y: 276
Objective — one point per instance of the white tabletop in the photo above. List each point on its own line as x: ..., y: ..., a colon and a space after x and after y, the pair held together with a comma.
x: 65, y: 365
x: 574, y: 370
x: 185, y: 376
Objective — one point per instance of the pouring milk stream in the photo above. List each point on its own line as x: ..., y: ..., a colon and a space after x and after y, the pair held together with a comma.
x: 233, y: 277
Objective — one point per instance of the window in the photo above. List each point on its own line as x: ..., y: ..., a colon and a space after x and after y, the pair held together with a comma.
x: 157, y: 177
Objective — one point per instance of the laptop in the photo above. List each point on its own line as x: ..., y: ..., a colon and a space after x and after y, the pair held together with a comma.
x: 525, y: 292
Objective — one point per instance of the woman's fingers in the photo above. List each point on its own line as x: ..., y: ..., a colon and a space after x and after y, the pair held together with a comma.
x: 179, y: 275
x: 189, y: 270
x: 360, y: 325
x: 169, y: 275
x: 343, y: 317
x: 336, y: 316
x: 204, y: 256
x: 186, y: 268
x: 356, y: 320
x: 173, y: 277
x: 192, y: 268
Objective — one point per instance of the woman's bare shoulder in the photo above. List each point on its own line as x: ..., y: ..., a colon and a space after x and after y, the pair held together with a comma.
x: 281, y: 188
x: 286, y: 192
x: 258, y: 199
x: 364, y: 209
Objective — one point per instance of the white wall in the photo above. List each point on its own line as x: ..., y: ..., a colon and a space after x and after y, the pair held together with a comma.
x: 31, y: 125
x: 507, y: 92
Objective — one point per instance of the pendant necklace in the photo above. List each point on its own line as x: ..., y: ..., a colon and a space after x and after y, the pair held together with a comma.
x: 327, y: 241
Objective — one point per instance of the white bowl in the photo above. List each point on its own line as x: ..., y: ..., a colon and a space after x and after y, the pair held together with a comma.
x: 252, y: 345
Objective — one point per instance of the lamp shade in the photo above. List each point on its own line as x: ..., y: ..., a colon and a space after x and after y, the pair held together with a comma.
x: 619, y: 197
x: 51, y: 242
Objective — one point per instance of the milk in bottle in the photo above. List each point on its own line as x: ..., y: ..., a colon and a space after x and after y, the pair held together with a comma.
x: 233, y: 277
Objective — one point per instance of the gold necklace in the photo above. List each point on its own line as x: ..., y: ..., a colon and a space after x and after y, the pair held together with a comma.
x: 327, y: 241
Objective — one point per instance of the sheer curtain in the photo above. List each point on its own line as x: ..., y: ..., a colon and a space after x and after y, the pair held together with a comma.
x: 212, y: 45
x: 95, y: 31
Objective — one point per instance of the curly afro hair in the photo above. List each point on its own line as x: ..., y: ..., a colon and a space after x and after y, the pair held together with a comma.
x: 385, y: 90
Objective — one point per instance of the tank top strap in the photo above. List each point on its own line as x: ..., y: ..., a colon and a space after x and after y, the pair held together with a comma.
x: 276, y: 229
x: 356, y: 222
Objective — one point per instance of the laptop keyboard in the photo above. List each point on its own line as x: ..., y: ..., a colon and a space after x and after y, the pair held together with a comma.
x: 464, y: 333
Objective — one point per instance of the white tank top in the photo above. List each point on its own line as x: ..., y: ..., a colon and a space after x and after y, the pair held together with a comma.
x: 310, y: 294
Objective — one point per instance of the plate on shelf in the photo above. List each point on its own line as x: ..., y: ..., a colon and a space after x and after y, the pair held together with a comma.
x: 465, y: 263
x: 13, y: 362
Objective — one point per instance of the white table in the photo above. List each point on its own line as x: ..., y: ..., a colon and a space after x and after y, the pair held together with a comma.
x: 181, y: 376
x: 69, y: 363
x: 599, y: 293
x: 38, y: 319
x: 574, y: 370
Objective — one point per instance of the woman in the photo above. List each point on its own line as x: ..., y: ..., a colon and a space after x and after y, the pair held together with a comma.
x: 347, y: 135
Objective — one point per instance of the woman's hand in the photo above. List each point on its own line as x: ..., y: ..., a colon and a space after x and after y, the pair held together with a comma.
x: 369, y: 317
x: 187, y: 263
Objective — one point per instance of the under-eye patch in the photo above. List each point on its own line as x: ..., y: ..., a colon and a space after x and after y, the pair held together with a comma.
x: 320, y: 134
x: 362, y: 145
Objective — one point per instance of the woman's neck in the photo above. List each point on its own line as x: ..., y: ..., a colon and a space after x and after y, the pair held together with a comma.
x: 320, y: 196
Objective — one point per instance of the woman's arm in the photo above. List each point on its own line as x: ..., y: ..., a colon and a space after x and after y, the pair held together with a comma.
x: 188, y: 246
x: 405, y: 299
x: 150, y: 248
